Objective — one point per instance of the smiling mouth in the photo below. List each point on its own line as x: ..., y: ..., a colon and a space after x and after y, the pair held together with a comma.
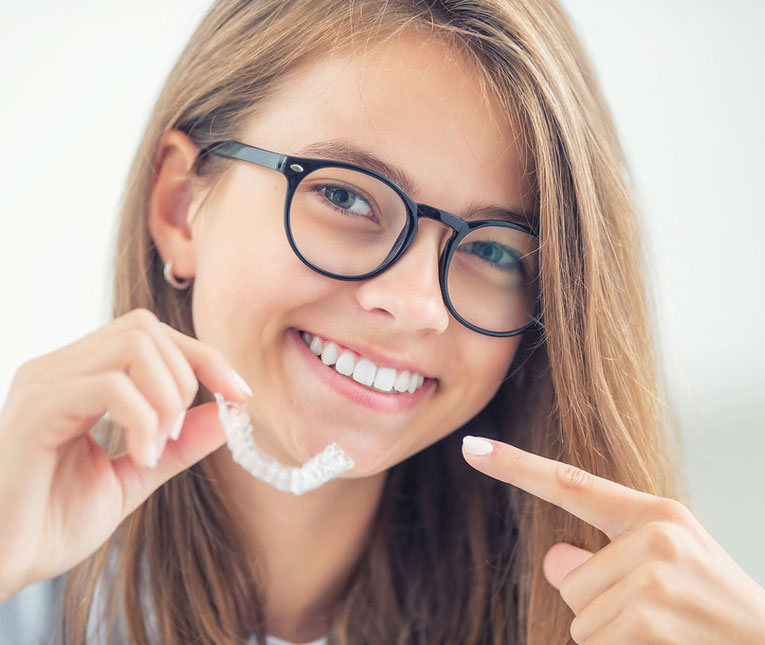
x: 362, y: 370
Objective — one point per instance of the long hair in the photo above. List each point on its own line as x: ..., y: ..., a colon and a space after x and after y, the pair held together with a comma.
x: 452, y: 555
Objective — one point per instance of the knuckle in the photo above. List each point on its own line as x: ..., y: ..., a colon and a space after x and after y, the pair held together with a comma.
x: 572, y: 477
x: 653, y: 580
x: 639, y: 619
x: 664, y: 540
x: 29, y: 392
x: 26, y: 371
x: 568, y: 590
x: 118, y: 382
x: 671, y: 509
x: 139, y: 343
x: 167, y: 329
x: 143, y: 318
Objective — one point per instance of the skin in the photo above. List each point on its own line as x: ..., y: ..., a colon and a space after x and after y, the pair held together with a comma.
x: 662, y: 578
x: 61, y: 496
x: 237, y: 251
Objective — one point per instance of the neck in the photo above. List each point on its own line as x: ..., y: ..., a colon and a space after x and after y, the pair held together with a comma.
x: 305, y: 547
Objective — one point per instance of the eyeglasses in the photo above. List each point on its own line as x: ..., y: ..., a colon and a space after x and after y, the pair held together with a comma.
x: 348, y: 222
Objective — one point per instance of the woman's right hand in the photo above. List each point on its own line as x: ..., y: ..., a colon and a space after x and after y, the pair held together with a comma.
x: 61, y: 497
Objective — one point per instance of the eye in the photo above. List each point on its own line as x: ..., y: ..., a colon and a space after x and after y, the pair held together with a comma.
x: 347, y: 200
x: 495, y: 254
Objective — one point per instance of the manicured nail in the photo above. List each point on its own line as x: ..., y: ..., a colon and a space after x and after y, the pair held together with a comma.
x: 153, y: 450
x: 175, y: 429
x: 160, y: 448
x: 242, y: 383
x: 476, y: 446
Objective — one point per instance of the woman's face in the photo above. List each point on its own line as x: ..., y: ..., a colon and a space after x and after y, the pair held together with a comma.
x: 418, y: 108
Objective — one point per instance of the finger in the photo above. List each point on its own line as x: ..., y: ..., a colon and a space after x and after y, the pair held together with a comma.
x: 101, y: 351
x: 617, y: 631
x: 148, y: 369
x: 561, y: 559
x: 202, y: 434
x: 211, y: 367
x: 657, y: 541
x: 185, y: 380
x: 207, y: 363
x: 66, y: 410
x: 647, y: 584
x: 606, y: 505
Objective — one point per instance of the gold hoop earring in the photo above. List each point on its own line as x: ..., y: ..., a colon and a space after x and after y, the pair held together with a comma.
x: 178, y: 284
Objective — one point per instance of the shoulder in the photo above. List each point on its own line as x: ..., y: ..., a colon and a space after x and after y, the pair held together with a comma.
x: 33, y: 615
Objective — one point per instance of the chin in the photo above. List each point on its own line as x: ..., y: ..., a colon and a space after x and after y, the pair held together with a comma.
x: 371, y: 452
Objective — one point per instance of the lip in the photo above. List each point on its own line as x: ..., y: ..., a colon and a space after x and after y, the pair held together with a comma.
x: 352, y: 391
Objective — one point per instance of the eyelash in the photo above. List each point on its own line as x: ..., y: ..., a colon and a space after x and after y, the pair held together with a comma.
x: 517, y: 264
x: 320, y: 188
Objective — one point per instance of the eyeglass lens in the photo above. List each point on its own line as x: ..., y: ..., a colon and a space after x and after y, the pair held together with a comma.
x: 348, y: 223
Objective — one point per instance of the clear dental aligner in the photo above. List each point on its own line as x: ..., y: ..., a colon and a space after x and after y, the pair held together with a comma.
x: 329, y: 464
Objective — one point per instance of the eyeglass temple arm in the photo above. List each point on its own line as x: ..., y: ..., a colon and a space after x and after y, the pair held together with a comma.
x: 257, y: 156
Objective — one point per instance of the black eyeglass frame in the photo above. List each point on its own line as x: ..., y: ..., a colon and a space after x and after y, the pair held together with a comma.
x: 296, y: 168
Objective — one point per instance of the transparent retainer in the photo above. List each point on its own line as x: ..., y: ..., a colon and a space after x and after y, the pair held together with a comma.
x: 329, y: 464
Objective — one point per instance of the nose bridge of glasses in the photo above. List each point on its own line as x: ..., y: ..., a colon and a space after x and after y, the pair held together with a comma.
x: 446, y: 220
x: 430, y: 212
x: 408, y: 235
x: 449, y: 222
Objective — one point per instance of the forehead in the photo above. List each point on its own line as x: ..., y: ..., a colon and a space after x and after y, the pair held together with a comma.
x: 416, y: 103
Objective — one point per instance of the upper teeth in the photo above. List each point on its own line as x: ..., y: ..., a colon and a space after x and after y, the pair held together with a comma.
x: 362, y: 370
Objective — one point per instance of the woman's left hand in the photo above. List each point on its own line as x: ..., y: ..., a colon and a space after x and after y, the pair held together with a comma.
x: 662, y: 578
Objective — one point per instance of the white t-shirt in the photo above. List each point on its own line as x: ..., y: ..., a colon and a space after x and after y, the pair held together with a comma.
x: 31, y: 617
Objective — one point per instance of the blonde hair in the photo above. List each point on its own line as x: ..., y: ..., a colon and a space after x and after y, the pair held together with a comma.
x: 452, y: 556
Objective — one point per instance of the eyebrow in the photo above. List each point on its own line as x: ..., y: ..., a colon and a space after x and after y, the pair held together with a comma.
x: 347, y: 152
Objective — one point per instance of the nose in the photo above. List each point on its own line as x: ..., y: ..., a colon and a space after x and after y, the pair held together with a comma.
x: 409, y: 290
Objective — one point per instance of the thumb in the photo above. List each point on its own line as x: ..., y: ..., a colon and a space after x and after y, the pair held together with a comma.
x: 201, y: 434
x: 562, y: 559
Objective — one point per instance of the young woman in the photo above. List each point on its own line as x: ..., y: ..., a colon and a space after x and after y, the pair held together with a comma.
x: 391, y: 225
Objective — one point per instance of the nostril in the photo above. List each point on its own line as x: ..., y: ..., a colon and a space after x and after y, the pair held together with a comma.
x: 413, y: 304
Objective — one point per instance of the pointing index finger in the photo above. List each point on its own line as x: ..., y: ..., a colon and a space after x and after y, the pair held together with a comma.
x: 611, y: 507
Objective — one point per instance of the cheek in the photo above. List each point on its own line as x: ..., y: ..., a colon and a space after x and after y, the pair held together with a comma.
x: 486, y: 363
x: 244, y: 238
x: 243, y: 261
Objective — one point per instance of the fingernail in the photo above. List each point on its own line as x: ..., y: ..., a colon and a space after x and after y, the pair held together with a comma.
x: 476, y: 446
x: 242, y: 383
x: 152, y: 452
x: 175, y: 429
x: 160, y: 447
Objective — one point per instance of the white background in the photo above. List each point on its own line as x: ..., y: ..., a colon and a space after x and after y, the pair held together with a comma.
x: 684, y: 80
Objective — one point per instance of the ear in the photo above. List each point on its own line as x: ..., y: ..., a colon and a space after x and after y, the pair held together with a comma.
x: 173, y: 202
